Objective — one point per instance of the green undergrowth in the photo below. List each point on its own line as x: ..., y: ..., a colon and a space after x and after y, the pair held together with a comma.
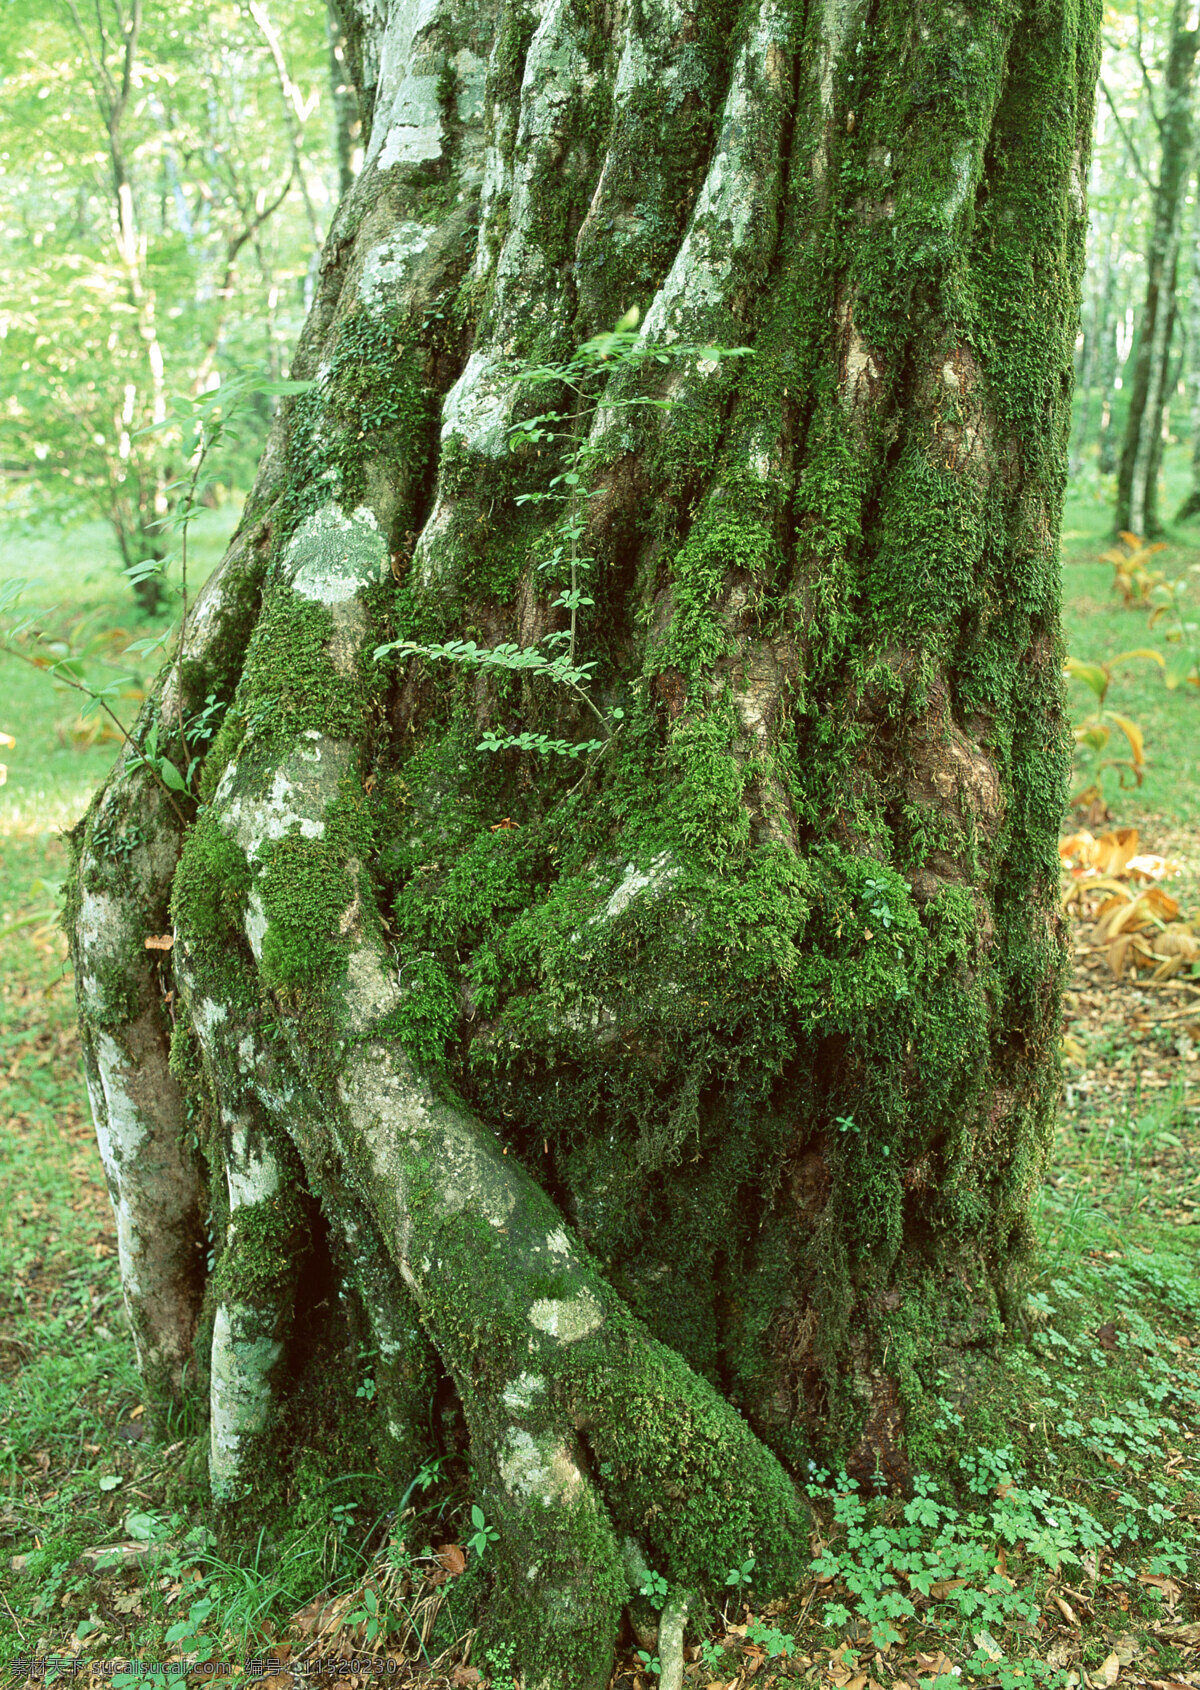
x: 1098, y: 626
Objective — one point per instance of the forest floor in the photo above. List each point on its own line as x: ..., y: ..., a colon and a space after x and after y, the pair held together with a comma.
x: 1065, y: 1554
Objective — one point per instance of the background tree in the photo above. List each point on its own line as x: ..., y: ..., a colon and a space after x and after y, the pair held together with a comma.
x: 151, y: 200
x: 1141, y: 453
x: 615, y: 960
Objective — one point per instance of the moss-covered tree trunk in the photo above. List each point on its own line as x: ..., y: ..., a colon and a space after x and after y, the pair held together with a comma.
x: 676, y: 1107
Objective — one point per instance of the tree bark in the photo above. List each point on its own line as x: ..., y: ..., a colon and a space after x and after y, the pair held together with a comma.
x: 680, y: 1103
x: 1141, y: 452
x: 1191, y: 504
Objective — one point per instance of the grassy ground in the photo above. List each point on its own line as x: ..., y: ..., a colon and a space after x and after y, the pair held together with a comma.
x: 1061, y: 1548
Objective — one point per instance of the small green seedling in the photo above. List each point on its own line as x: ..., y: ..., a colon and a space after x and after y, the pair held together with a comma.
x: 483, y: 1535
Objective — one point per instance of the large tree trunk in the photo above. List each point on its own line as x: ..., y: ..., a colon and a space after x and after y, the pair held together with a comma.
x: 1141, y: 452
x: 680, y: 1103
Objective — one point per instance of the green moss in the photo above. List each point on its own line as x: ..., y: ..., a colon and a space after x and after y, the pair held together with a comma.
x: 688, y: 1478
x: 305, y: 891
x: 291, y: 683
x: 373, y: 405
x: 307, y: 887
x: 427, y: 1016
x: 208, y: 898
x: 259, y: 1262
x: 226, y: 744
x: 721, y: 545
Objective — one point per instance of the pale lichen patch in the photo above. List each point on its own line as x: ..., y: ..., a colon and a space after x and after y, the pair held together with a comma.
x: 539, y: 1467
x: 388, y: 266
x: 333, y: 556
x: 370, y: 990
x: 252, y: 1172
x: 567, y: 1318
x: 658, y: 874
x: 240, y: 1392
x: 521, y: 1393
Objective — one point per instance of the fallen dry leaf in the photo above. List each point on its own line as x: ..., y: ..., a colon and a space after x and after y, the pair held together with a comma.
x: 452, y: 1558
x: 465, y: 1675
x: 985, y: 1641
x: 1108, y: 1671
x: 1064, y: 1607
x: 1183, y: 1633
x: 941, y: 1588
x: 935, y: 1664
x: 307, y: 1619
x: 1084, y: 854
x: 1159, y: 1581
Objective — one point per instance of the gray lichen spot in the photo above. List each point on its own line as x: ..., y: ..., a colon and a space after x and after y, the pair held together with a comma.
x: 471, y: 72
x: 476, y: 408
x: 333, y: 556
x: 241, y: 1390
x: 370, y: 991
x: 251, y: 1169
x: 538, y: 1467
x: 255, y: 820
x: 658, y: 874
x: 256, y: 922
x: 963, y: 168
x: 101, y: 930
x: 120, y: 1134
x: 730, y: 217
x: 521, y: 1393
x: 407, y: 127
x: 387, y: 267
x: 567, y: 1319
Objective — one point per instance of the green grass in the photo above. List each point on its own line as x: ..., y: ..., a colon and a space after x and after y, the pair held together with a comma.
x: 1098, y: 627
x: 1068, y: 1471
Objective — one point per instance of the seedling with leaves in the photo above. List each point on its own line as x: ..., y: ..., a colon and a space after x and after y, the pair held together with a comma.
x: 1132, y: 576
x: 1095, y: 732
x: 371, y: 1615
x: 654, y: 1589
x: 585, y: 376
x: 1180, y: 630
x: 483, y: 1534
x: 739, y: 1577
x: 186, y: 1633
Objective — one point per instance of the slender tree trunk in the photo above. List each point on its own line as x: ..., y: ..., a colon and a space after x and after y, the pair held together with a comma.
x: 680, y: 1102
x: 1137, y: 492
x: 138, y: 505
x: 1098, y: 336
x: 1191, y: 505
x: 347, y: 122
